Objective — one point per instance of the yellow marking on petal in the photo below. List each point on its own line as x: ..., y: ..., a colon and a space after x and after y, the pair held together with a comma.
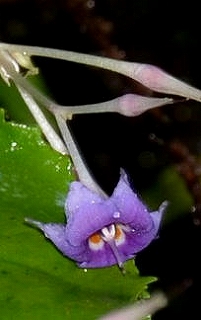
x: 95, y: 242
x: 95, y: 238
x: 119, y: 235
x: 118, y: 232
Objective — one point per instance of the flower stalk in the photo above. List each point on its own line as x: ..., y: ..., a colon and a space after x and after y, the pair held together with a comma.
x: 148, y: 75
x: 30, y: 95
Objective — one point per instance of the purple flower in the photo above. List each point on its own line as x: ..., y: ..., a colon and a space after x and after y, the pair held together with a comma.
x: 100, y: 231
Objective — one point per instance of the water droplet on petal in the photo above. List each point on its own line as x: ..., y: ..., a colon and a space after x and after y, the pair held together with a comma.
x: 116, y: 214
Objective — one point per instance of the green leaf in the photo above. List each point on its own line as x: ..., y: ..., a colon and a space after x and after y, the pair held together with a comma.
x: 36, y: 281
x: 15, y: 106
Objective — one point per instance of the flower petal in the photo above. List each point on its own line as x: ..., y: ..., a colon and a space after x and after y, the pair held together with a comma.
x: 157, y: 215
x: 143, y: 224
x: 56, y: 233
x: 131, y: 208
x: 88, y: 213
x: 102, y: 258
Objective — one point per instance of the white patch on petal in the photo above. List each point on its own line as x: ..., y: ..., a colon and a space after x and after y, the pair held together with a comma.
x: 120, y: 236
x: 95, y: 243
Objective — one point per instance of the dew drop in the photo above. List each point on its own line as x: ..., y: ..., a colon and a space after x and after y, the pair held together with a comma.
x: 13, y: 146
x: 116, y: 214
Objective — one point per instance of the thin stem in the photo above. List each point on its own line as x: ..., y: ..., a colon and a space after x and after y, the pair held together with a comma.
x: 26, y: 90
x: 128, y: 105
x: 67, y: 111
x: 50, y: 134
x: 87, y: 59
x: 82, y: 171
x: 22, y: 82
x: 150, y: 76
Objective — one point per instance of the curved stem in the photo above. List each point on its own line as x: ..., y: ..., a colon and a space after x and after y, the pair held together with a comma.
x: 82, y: 171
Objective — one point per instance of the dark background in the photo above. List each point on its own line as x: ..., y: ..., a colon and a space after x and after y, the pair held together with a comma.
x: 164, y: 33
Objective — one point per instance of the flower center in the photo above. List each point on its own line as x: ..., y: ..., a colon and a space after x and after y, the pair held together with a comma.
x: 114, y: 236
x: 108, y: 233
